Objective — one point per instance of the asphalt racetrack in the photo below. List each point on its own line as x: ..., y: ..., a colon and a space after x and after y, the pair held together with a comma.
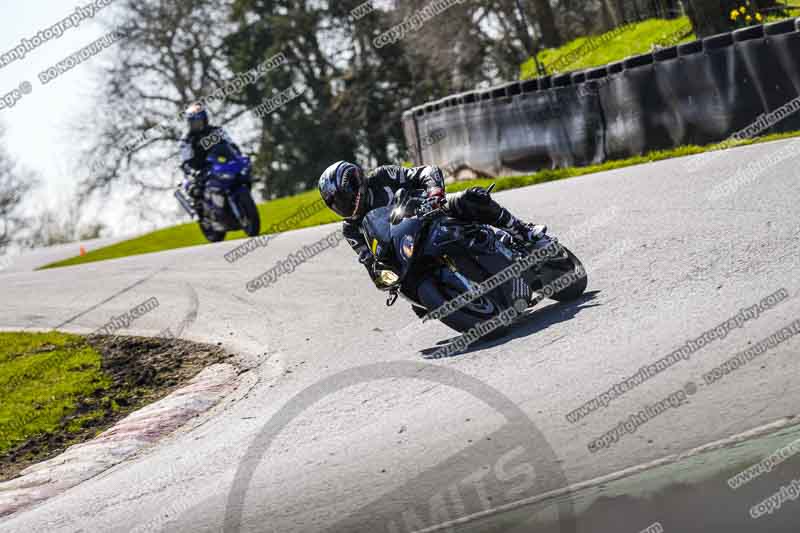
x: 341, y: 424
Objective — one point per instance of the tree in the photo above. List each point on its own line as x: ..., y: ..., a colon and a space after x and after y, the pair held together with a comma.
x: 474, y: 43
x: 299, y: 138
x: 578, y: 18
x: 665, y: 8
x: 50, y: 227
x: 173, y: 55
x: 547, y: 23
x: 15, y: 183
x: 349, y: 94
x: 615, y: 11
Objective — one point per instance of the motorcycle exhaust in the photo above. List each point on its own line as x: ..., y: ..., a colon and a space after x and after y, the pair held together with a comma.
x: 185, y: 203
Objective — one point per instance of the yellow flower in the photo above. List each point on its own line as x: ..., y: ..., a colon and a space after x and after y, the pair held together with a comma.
x: 748, y: 18
x: 759, y: 17
x: 734, y: 14
x: 742, y: 10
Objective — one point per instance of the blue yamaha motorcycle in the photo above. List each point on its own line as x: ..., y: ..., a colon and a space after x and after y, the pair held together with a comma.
x: 227, y: 203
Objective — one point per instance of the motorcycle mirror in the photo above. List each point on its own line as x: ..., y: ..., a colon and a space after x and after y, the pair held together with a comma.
x: 491, y: 187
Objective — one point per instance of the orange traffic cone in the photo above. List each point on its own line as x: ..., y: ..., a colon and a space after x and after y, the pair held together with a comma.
x: 83, y: 250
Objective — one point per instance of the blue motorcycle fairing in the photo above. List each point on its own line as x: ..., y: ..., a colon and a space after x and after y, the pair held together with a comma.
x: 445, y: 236
x: 235, y: 167
x: 376, y: 226
x: 219, y: 191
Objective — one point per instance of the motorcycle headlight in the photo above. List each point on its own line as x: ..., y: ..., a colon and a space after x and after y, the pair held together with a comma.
x: 408, y: 246
x: 226, y: 176
x: 388, y: 278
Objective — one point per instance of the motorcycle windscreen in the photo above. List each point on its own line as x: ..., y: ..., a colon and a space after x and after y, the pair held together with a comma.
x: 224, y: 160
x: 375, y: 227
x: 222, y: 152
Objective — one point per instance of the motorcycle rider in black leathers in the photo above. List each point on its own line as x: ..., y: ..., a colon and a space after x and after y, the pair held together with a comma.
x: 351, y: 194
x: 194, y: 149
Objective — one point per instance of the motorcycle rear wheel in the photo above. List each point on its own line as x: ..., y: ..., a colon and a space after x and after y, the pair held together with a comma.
x: 566, y: 265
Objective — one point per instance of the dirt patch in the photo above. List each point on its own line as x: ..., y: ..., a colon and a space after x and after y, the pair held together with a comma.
x: 143, y: 370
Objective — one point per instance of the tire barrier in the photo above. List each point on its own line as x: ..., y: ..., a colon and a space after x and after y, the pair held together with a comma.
x: 700, y: 92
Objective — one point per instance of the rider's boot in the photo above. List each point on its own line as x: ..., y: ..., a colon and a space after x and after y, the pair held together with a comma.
x: 524, y: 232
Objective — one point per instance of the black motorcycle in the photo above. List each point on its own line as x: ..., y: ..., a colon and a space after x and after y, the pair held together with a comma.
x: 227, y: 203
x: 463, y: 273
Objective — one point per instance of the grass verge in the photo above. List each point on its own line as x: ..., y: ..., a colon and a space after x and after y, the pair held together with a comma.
x: 281, y: 209
x: 628, y: 40
x: 189, y: 234
x: 58, y: 389
x: 596, y: 50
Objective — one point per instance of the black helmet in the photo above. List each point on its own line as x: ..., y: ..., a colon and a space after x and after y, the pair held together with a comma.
x: 342, y: 186
x: 196, y: 117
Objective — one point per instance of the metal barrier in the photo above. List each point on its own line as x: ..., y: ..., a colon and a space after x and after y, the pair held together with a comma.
x: 694, y: 93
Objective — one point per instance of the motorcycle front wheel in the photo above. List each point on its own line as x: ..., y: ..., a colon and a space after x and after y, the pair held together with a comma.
x: 211, y: 234
x: 250, y: 220
x: 435, y: 291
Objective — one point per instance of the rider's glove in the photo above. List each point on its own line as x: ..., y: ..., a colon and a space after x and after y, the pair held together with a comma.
x: 436, y: 197
x: 195, y: 183
x: 480, y: 193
